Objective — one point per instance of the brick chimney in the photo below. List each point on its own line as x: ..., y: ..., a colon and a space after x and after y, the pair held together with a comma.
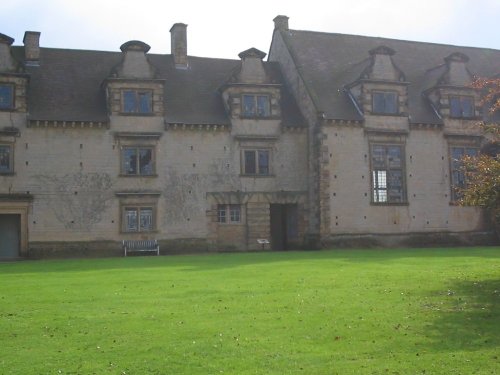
x: 31, y: 42
x: 178, y: 45
x: 281, y: 23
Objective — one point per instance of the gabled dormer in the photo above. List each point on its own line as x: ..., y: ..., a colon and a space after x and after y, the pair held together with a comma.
x: 133, y: 88
x: 452, y: 95
x: 381, y: 89
x: 252, y: 91
x: 13, y: 79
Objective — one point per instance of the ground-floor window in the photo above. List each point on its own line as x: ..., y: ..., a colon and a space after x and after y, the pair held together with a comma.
x: 229, y: 213
x: 458, y: 178
x: 138, y: 218
x: 388, y: 182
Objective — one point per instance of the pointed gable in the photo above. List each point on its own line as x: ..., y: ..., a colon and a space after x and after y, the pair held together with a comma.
x: 382, y: 66
x: 456, y: 73
x: 135, y: 63
x: 252, y: 68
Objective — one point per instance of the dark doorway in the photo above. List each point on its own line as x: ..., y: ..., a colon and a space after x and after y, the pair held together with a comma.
x: 283, y: 225
x: 10, y: 230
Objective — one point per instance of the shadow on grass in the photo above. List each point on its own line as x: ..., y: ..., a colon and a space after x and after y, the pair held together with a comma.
x: 216, y: 261
x: 469, y: 317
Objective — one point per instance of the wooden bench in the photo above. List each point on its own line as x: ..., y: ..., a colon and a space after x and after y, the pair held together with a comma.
x: 130, y: 246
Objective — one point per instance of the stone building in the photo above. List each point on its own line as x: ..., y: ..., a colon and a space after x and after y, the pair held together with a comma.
x: 334, y: 140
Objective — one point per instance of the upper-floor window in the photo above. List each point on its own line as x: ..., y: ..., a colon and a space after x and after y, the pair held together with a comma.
x: 385, y: 102
x: 458, y: 178
x: 229, y: 213
x: 255, y: 106
x: 256, y: 162
x: 388, y: 183
x: 461, y: 106
x: 137, y: 101
x: 6, y: 96
x: 137, y: 161
x: 5, y: 159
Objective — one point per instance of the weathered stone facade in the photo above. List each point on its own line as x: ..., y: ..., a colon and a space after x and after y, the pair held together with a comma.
x: 326, y: 78
x: 217, y: 155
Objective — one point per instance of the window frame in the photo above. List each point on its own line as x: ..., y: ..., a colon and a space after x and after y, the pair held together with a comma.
x: 255, y: 113
x: 455, y: 169
x: 10, y: 154
x: 138, y: 208
x: 256, y: 159
x: 137, y: 102
x: 384, y: 111
x: 227, y: 212
x: 137, y: 149
x: 12, y: 105
x: 376, y: 187
x: 461, y: 98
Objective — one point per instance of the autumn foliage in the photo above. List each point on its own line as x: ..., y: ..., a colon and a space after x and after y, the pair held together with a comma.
x: 483, y: 172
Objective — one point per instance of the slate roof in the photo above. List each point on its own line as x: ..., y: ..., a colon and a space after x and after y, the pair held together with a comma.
x: 328, y: 62
x: 67, y: 86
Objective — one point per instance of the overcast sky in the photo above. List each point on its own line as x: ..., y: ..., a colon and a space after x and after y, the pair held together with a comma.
x: 225, y: 28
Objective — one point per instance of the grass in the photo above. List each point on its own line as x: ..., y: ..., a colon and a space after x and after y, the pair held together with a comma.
x: 411, y: 311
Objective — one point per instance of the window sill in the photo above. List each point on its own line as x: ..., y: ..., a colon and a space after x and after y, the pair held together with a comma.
x: 139, y: 233
x: 389, y: 203
x: 389, y: 114
x: 249, y: 117
x: 472, y: 118
x: 138, y: 175
x: 7, y: 173
x: 258, y: 175
x: 148, y: 114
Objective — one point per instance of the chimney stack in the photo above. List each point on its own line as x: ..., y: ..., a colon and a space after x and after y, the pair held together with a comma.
x: 281, y: 23
x: 178, y: 45
x: 31, y: 42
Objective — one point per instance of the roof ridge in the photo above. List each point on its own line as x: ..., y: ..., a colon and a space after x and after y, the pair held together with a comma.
x: 392, y: 39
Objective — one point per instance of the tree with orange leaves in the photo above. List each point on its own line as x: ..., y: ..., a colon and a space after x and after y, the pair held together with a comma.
x: 483, y: 171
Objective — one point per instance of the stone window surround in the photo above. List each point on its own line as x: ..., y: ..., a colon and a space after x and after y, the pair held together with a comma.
x: 255, y: 113
x: 388, y: 138
x: 460, y: 98
x: 256, y: 143
x: 140, y: 169
x: 132, y: 140
x: 10, y: 147
x: 464, y: 142
x: 139, y: 209
x: 257, y: 152
x: 384, y: 112
x: 138, y: 93
x: 12, y: 105
x: 138, y: 200
x: 229, y: 214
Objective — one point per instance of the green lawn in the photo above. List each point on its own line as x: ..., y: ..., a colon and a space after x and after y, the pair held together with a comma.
x: 411, y: 311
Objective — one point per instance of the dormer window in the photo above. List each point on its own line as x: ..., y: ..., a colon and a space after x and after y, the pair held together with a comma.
x: 137, y: 101
x: 461, y: 106
x: 6, y: 96
x: 255, y: 106
x: 385, y: 102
